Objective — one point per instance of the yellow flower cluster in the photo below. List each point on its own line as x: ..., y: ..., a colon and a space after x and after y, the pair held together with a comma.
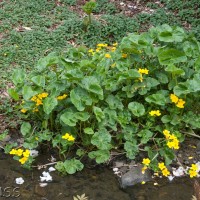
x: 124, y: 55
x: 179, y: 102
x: 146, y: 163
x: 172, y: 140
x: 20, y: 152
x: 100, y: 45
x: 38, y: 98
x: 155, y: 113
x: 107, y: 55
x: 163, y: 169
x: 142, y: 71
x: 193, y: 170
x: 23, y: 110
x: 68, y: 137
x: 64, y: 96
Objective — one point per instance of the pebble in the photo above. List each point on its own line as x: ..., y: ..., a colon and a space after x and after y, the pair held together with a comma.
x: 135, y: 176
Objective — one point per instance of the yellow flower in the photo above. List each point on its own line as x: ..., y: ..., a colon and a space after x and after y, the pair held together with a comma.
x: 144, y: 169
x: 13, y: 152
x: 107, y: 55
x: 143, y: 182
x: 143, y: 71
x: 141, y: 79
x: 34, y: 98
x: 43, y: 95
x: 192, y: 173
x: 71, y: 138
x: 115, y: 44
x: 194, y: 167
x: 68, y: 137
x: 35, y: 110
x: 155, y: 113
x: 26, y: 153
x: 166, y: 133
x: 23, y: 110
x: 19, y: 152
x: 146, y: 161
x: 165, y: 172
x: 38, y: 102
x: 180, y: 103
x: 23, y: 160
x: 64, y: 96
x: 98, y: 49
x: 102, y: 45
x: 124, y: 55
x: 161, y: 166
x: 173, y: 98
x: 113, y: 49
x: 91, y: 50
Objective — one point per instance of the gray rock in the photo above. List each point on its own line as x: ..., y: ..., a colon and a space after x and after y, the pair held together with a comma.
x: 198, y: 148
x: 134, y: 176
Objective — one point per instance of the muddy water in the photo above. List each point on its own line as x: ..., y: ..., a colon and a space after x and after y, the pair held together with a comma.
x: 98, y: 184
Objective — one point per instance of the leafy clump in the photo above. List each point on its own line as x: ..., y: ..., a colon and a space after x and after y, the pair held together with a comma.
x: 127, y: 97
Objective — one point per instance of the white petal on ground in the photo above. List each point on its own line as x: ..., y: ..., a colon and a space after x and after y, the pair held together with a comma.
x: 170, y: 178
x: 115, y: 169
x: 43, y: 184
x: 33, y: 153
x: 178, y: 172
x: 51, y: 169
x: 19, y: 180
x: 46, y: 177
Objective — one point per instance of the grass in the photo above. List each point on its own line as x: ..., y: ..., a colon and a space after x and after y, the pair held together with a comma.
x: 30, y: 29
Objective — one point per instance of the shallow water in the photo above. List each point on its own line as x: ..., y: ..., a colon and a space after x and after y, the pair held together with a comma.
x: 98, y: 184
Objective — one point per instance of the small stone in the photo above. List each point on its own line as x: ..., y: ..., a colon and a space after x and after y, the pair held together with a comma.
x: 135, y: 176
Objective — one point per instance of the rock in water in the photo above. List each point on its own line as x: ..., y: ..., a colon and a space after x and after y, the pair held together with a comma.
x: 134, y: 176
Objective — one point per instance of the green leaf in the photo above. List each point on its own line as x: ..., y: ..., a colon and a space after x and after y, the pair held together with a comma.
x: 88, y: 131
x: 151, y: 82
x: 39, y: 80
x: 166, y: 119
x: 101, y: 139
x: 28, y: 92
x: 181, y: 88
x: 162, y: 77
x: 114, y: 102
x: 158, y: 99
x: 100, y: 156
x: 80, y: 98
x: 98, y: 113
x: 197, y: 64
x: 25, y: 129
x: 12, y: 92
x: 171, y: 56
x: 68, y: 118
x: 49, y: 60
x: 169, y: 34
x: 91, y: 84
x: 174, y: 70
x: 49, y: 104
x: 145, y: 135
x: 18, y: 76
x: 131, y: 149
x: 194, y: 84
x: 136, y: 108
x: 69, y: 166
x: 82, y: 116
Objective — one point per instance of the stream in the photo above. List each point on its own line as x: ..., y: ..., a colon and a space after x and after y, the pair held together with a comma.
x: 98, y: 183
